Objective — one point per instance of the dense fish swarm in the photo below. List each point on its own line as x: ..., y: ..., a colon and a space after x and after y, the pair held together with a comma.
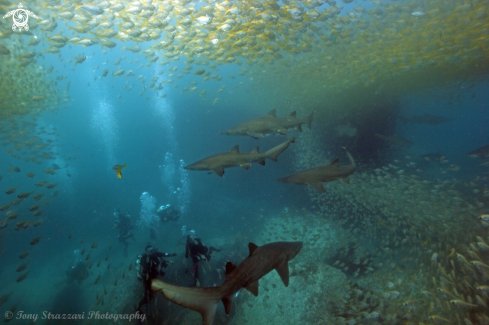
x: 316, y: 49
x: 406, y: 255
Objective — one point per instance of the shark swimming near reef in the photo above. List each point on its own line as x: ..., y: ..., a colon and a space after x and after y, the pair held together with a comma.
x: 270, y: 123
x: 260, y: 261
x: 315, y: 177
x: 395, y: 141
x: 482, y: 152
x: 234, y: 158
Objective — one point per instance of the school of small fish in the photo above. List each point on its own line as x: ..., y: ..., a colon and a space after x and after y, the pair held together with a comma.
x: 315, y: 49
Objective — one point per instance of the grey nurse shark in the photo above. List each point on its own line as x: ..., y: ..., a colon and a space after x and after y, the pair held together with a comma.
x: 261, y: 261
x: 315, y: 177
x: 270, y: 123
x: 234, y: 158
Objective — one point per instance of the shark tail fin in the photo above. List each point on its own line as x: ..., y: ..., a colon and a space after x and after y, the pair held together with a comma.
x: 309, y: 119
x: 275, y: 152
x: 203, y: 300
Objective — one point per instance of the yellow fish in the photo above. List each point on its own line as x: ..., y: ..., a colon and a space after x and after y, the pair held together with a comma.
x: 118, y: 172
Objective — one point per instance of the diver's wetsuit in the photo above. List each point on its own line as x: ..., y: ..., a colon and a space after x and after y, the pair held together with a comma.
x: 125, y: 226
x: 151, y: 265
x: 198, y: 252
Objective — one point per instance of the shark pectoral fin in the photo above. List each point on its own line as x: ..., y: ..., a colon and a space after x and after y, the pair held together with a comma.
x: 318, y: 187
x: 283, y: 271
x: 335, y: 162
x: 246, y: 166
x: 262, y: 162
x: 208, y: 313
x: 218, y: 170
x: 299, y: 128
x: 283, y: 131
x: 346, y: 180
x: 228, y: 303
x: 253, y: 288
x: 256, y: 135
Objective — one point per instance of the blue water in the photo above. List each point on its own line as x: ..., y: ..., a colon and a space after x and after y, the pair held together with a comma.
x: 155, y: 138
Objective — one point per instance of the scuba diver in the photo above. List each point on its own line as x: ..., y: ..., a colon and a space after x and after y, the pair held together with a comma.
x: 123, y: 222
x: 150, y: 265
x: 168, y: 213
x: 198, y: 252
x: 78, y: 271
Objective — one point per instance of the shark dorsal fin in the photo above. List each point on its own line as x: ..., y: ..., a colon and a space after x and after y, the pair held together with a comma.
x: 229, y: 268
x: 252, y: 248
x: 235, y: 149
x: 256, y: 150
x: 272, y: 113
x: 292, y: 114
x: 335, y: 162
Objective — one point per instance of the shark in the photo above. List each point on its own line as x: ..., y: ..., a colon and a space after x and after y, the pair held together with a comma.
x: 315, y: 177
x: 395, y: 141
x: 270, y: 123
x: 482, y: 152
x: 233, y: 158
x: 260, y: 261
